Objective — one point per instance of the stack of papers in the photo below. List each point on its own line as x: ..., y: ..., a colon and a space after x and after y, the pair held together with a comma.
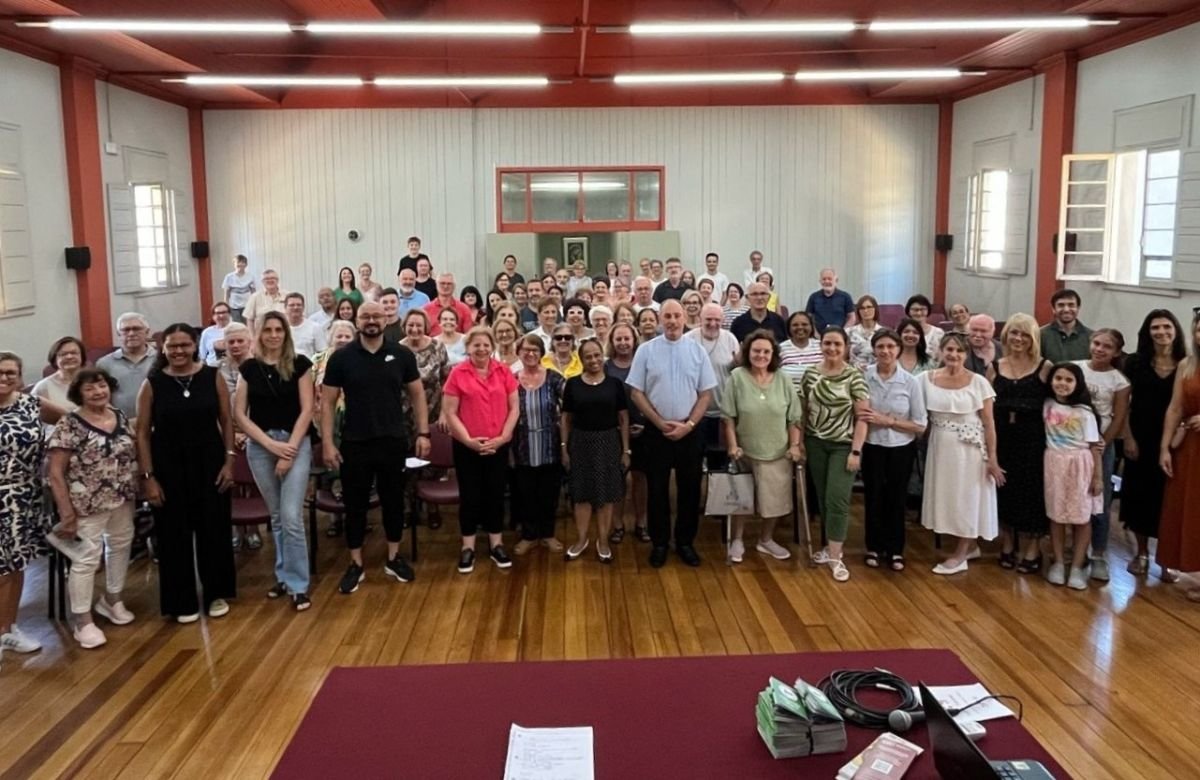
x: 798, y: 720
x: 550, y: 754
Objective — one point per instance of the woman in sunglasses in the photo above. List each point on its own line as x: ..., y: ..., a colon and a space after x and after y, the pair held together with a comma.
x: 562, y: 356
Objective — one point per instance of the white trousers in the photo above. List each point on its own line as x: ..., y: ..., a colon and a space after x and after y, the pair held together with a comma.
x: 109, y: 532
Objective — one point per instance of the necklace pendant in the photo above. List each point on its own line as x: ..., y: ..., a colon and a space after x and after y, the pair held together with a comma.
x: 187, y: 393
x: 762, y: 396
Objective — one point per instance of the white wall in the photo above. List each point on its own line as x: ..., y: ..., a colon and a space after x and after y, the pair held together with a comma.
x: 153, y: 125
x: 851, y: 186
x: 30, y: 98
x: 1013, y: 112
x: 1160, y: 68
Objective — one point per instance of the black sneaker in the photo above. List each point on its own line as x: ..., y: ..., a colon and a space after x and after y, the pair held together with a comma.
x: 658, y: 556
x: 688, y: 555
x: 499, y: 557
x: 354, y: 575
x: 466, y: 561
x: 301, y: 601
x: 398, y: 567
x: 279, y: 590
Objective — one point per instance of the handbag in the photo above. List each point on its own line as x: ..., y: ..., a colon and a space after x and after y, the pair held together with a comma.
x: 729, y: 494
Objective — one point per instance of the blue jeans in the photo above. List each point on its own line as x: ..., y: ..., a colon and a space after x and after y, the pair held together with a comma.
x: 285, y: 502
x: 1100, y: 522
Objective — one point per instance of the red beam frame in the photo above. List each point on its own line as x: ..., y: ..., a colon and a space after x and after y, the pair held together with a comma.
x: 529, y: 226
x: 1058, y: 138
x: 200, y: 206
x: 941, y: 214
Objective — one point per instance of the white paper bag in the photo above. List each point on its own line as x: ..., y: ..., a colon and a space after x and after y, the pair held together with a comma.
x: 729, y: 494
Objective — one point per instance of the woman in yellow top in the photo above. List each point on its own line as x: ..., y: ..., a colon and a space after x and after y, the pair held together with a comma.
x: 766, y: 278
x: 562, y: 356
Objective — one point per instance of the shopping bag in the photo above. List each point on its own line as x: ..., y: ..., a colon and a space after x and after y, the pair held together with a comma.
x: 729, y: 494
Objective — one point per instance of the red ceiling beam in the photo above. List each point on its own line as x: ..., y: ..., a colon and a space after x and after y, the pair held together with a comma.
x: 941, y: 212
x: 85, y: 184
x: 1058, y: 137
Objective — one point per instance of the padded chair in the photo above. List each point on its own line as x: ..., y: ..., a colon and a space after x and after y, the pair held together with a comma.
x: 325, y: 500
x: 783, y: 312
x: 434, y: 491
x: 249, y: 508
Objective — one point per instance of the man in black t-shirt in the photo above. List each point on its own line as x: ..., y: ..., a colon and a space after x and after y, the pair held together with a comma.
x: 414, y: 254
x: 374, y: 374
x: 758, y: 316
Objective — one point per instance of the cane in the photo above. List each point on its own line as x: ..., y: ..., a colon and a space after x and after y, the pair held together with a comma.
x: 798, y: 488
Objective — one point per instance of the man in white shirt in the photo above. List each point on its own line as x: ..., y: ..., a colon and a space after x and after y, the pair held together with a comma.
x: 324, y: 315
x: 750, y: 276
x: 643, y: 294
x: 720, y: 280
x: 407, y: 294
x: 308, y: 338
x: 269, y: 298
x: 238, y: 287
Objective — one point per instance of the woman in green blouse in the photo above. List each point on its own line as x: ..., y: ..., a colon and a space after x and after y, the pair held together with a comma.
x: 762, y: 419
x: 834, y: 396
x: 347, y: 288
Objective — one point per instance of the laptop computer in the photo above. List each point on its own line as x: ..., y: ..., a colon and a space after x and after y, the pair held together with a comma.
x: 956, y: 757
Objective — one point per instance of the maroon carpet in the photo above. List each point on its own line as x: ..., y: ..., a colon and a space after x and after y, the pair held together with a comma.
x: 660, y: 718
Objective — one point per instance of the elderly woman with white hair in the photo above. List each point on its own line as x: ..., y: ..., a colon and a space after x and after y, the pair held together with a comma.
x: 602, y: 321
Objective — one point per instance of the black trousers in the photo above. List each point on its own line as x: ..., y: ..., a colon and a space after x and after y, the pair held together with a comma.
x: 684, y: 456
x: 378, y: 462
x: 481, y: 480
x: 885, y: 473
x: 536, y: 500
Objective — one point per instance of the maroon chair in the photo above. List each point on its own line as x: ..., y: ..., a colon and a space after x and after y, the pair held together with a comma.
x: 783, y: 312
x: 325, y: 500
x: 249, y: 508
x: 442, y: 491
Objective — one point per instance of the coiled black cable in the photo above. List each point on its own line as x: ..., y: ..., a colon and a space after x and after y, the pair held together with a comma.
x: 842, y: 687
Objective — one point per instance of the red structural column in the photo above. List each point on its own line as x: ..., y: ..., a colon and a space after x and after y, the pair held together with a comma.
x: 85, y: 182
x: 200, y: 205
x: 1058, y: 137
x: 941, y: 213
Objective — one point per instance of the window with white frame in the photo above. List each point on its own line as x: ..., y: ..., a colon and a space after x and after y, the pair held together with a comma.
x: 997, y: 226
x: 157, y: 259
x: 150, y: 234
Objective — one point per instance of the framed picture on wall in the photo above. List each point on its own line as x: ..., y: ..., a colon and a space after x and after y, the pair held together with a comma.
x: 575, y: 248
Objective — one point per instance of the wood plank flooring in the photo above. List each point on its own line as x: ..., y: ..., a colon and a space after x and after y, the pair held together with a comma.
x: 1109, y: 677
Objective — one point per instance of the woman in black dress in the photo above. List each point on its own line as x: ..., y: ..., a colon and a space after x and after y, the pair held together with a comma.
x: 595, y: 440
x: 1020, y: 382
x: 1151, y: 372
x: 185, y: 454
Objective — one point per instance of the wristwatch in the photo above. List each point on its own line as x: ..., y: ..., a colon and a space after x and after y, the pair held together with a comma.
x: 856, y: 453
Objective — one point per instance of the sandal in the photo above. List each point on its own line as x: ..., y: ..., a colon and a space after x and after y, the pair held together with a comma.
x: 642, y: 534
x: 617, y: 535
x: 871, y: 559
x: 1139, y: 565
x: 1170, y: 576
x: 839, y: 570
x: 1030, y: 565
x: 897, y: 563
x: 1008, y: 560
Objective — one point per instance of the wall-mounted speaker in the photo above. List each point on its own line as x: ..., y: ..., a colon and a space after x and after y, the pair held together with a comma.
x: 79, y: 258
x: 943, y: 242
x: 199, y: 250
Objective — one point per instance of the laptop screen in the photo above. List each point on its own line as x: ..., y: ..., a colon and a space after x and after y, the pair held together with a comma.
x: 954, y: 754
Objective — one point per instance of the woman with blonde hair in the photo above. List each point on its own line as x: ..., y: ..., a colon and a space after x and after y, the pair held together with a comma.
x: 692, y: 302
x: 507, y: 334
x: 1019, y: 379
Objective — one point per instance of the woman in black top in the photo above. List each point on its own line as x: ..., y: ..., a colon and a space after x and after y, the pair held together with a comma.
x: 595, y: 441
x: 622, y: 344
x: 273, y: 406
x: 185, y: 454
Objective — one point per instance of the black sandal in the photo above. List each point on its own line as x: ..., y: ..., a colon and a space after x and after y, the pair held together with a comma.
x: 871, y: 559
x: 616, y: 536
x: 1008, y: 560
x: 1030, y: 565
x: 642, y: 533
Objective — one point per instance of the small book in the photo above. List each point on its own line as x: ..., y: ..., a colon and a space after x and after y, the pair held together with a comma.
x: 887, y: 758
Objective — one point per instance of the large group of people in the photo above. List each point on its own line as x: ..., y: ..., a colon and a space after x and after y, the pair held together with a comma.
x: 603, y: 387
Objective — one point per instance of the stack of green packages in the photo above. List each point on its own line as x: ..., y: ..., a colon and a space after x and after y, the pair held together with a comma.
x: 799, y: 720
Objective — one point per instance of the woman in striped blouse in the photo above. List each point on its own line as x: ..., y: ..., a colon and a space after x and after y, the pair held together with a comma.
x: 536, y: 447
x: 802, y: 350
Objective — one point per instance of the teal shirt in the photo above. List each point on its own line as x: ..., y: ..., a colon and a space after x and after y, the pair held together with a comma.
x: 1059, y: 347
x: 761, y: 415
x: 354, y: 295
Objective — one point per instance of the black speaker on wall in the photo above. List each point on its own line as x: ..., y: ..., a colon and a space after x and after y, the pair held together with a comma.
x: 199, y: 250
x: 79, y: 258
x: 943, y: 242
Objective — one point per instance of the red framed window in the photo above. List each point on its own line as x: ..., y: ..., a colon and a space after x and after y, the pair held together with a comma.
x: 568, y: 200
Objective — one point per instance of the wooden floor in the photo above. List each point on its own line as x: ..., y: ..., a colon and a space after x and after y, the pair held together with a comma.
x: 1110, y: 678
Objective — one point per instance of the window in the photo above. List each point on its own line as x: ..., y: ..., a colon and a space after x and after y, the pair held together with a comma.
x: 550, y: 200
x: 149, y: 227
x: 1130, y: 217
x: 156, y: 260
x: 997, y: 227
x: 16, y: 256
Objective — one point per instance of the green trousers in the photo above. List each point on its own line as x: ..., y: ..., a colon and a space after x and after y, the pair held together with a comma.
x: 827, y: 464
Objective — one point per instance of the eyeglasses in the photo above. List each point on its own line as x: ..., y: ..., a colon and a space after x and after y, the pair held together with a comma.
x: 133, y: 329
x: 564, y: 338
x: 9, y: 374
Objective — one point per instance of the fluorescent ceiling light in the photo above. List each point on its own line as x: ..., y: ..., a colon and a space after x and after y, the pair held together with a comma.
x: 421, y: 28
x: 882, y: 73
x: 163, y: 26
x: 738, y: 28
x: 970, y: 25
x: 635, y: 79
x: 462, y: 81
x: 274, y: 81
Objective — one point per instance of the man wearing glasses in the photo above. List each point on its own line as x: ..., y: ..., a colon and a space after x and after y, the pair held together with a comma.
x: 130, y: 364
x: 758, y: 316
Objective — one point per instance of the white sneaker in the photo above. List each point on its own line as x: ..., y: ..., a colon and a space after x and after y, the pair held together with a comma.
x: 773, y: 549
x: 19, y: 642
x: 219, y: 608
x: 114, y: 613
x: 1056, y: 574
x: 737, y: 550
x: 1100, y: 569
x: 1079, y: 578
x: 192, y: 618
x: 89, y: 636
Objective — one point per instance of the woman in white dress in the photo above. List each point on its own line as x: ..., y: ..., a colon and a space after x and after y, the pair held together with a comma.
x: 962, y: 472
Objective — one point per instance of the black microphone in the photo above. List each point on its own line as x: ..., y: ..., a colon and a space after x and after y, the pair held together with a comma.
x: 901, y: 721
